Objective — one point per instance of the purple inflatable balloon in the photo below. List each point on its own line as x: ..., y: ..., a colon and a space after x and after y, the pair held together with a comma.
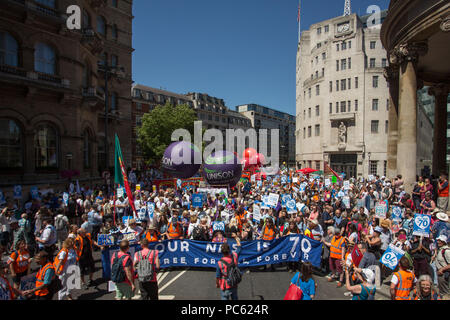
x: 222, y: 168
x: 179, y: 159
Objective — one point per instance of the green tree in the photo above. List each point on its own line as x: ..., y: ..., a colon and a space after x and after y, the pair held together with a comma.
x: 154, y: 135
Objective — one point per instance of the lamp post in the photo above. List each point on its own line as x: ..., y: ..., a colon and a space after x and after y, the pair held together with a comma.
x: 108, y: 70
x: 368, y: 156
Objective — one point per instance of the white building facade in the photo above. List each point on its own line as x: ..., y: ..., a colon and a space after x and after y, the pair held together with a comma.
x: 342, y: 99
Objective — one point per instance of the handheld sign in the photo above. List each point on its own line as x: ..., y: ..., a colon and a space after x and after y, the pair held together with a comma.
x: 17, y: 192
x: 197, y: 200
x: 346, y: 185
x: 391, y: 257
x: 283, y: 179
x: 273, y: 199
x: 34, y: 193
x: 120, y: 192
x: 256, y: 213
x: 381, y: 210
x: 178, y: 183
x: 150, y: 209
x: 218, y: 226
x: 125, y: 220
x: 138, y: 187
x: 142, y: 214
x: 66, y: 198
x: 346, y: 201
x: 284, y: 199
x: 2, y: 198
x: 422, y: 224
x: 265, y: 202
x: 105, y: 240
x: 291, y: 206
x: 397, y: 213
x: 327, y: 182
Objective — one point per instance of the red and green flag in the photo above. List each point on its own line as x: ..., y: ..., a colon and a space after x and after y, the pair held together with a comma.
x: 120, y: 174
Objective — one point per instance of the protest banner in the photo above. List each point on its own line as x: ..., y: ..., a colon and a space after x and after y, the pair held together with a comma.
x: 273, y: 199
x: 105, y: 240
x: 422, y: 223
x: 397, y: 213
x: 256, y: 213
x: 18, y: 192
x: 27, y: 282
x: 191, y: 253
x: 391, y: 257
x: 197, y: 200
x: 381, y: 210
x: 291, y: 206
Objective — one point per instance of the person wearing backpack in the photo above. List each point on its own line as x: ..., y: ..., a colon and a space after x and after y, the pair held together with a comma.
x: 366, y: 289
x: 146, y: 264
x: 122, y: 272
x: 228, y: 274
x: 61, y: 225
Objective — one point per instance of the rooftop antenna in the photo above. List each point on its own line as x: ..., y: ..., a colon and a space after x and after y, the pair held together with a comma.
x: 348, y: 8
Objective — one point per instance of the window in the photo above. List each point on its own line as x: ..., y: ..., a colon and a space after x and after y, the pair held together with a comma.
x: 114, y: 33
x: 337, y: 85
x: 331, y: 108
x: 46, y: 147
x: 44, y: 58
x: 374, y: 126
x: 375, y: 105
x: 337, y: 65
x: 101, y: 25
x: 317, y: 130
x: 309, y: 93
x: 327, y: 29
x: 343, y: 109
x: 319, y: 45
x: 372, y: 63
x: 114, y: 3
x: 387, y: 104
x: 10, y: 144
x: 86, y: 20
x: 373, y: 44
x: 309, y: 132
x: 103, y: 58
x: 349, y: 108
x: 384, y: 62
x: 114, y: 59
x: 386, y: 129
x: 86, y: 150
x: 317, y: 59
x: 9, y: 50
x: 349, y: 80
x: 309, y: 112
x: 343, y: 64
x: 343, y: 84
x: 356, y: 82
x: 344, y: 45
x: 323, y: 72
x: 349, y: 63
x: 349, y: 44
x: 373, y: 167
x: 317, y: 111
x: 385, y: 168
x: 47, y: 3
x: 337, y: 107
x: 317, y: 90
x: 356, y: 105
x: 375, y: 81
x: 86, y: 77
x: 331, y: 86
x: 317, y: 74
x: 337, y: 46
x: 113, y: 101
x: 304, y: 133
x: 317, y: 165
x: 324, y: 55
x: 138, y: 106
x: 319, y: 31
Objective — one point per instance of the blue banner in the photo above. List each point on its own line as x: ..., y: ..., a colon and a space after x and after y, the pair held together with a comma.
x: 197, y: 200
x: 192, y: 253
x: 422, y: 223
x: 17, y: 192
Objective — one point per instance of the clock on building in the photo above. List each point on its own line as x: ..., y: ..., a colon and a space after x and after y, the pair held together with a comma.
x: 344, y: 27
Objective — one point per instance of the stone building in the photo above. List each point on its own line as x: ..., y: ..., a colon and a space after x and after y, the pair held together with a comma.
x: 342, y: 97
x: 416, y: 35
x: 266, y: 118
x: 52, y: 89
x: 146, y: 99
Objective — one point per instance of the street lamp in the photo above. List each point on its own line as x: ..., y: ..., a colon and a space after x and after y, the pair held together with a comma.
x: 368, y: 156
x: 108, y: 70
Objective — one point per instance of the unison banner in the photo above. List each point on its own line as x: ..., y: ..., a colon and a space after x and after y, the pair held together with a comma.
x: 192, y: 253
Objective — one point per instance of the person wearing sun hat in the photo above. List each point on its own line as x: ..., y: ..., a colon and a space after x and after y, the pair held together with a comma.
x: 441, y: 226
x: 442, y: 263
x: 365, y: 290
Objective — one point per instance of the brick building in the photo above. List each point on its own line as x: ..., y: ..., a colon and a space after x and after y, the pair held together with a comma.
x: 52, y: 89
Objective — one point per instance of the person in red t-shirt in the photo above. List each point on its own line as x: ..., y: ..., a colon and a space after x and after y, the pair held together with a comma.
x: 126, y: 288
x: 149, y: 289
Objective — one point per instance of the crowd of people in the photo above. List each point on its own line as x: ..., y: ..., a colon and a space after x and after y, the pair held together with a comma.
x: 57, y: 235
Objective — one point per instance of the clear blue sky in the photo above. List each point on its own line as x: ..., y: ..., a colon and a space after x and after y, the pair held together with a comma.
x: 242, y: 51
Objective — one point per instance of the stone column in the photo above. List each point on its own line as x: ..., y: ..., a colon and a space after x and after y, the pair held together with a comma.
x: 440, y: 92
x: 407, y: 56
x: 391, y: 74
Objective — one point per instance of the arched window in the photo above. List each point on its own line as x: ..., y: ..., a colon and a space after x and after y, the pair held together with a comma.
x: 9, y: 50
x: 86, y: 149
x: 46, y: 147
x: 44, y: 58
x: 10, y: 144
x: 101, y: 25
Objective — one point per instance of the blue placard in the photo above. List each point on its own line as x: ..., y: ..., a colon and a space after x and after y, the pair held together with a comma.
x: 197, y: 200
x: 265, y: 202
x: 178, y: 183
x: 66, y: 198
x: 105, y: 240
x: 397, y: 213
x: 191, y: 253
x: 422, y: 224
x: 2, y: 198
x: 391, y: 257
x: 284, y: 199
x: 142, y: 213
x: 283, y: 179
x: 291, y: 206
x: 125, y: 219
x: 150, y: 209
x: 218, y: 225
x: 34, y: 193
x: 17, y: 192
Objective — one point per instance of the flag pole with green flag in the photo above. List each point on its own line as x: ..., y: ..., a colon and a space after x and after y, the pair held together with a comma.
x: 120, y: 174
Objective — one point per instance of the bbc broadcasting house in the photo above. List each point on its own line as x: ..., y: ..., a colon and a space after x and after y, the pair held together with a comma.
x: 342, y: 108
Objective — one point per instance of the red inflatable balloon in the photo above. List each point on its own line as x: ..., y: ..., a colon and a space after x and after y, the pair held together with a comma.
x: 261, y: 159
x: 249, y: 153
